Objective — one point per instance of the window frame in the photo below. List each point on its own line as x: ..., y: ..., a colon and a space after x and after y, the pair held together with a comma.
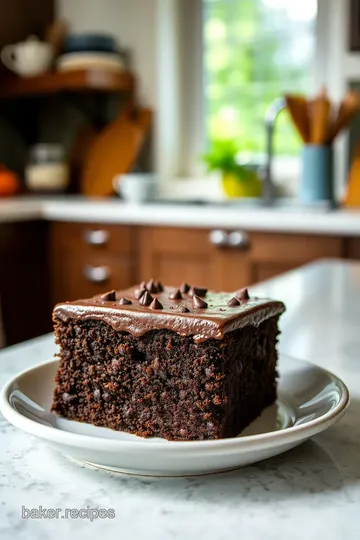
x: 184, y: 22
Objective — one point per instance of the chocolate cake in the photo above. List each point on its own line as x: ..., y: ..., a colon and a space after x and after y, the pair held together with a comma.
x: 178, y: 363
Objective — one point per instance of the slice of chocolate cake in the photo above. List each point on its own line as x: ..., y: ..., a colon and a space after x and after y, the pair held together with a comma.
x: 179, y: 363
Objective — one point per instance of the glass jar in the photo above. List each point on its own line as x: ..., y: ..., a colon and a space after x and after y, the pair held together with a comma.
x: 47, y: 169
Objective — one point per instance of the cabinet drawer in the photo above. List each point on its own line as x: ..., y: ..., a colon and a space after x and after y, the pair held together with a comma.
x: 293, y: 248
x: 92, y: 237
x: 86, y: 275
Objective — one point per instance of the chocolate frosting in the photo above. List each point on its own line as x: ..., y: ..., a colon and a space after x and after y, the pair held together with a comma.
x: 212, y: 322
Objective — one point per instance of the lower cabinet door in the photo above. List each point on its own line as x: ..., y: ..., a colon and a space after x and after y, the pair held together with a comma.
x: 85, y: 276
x: 197, y: 256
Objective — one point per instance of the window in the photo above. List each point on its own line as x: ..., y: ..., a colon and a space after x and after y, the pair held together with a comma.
x: 253, y: 52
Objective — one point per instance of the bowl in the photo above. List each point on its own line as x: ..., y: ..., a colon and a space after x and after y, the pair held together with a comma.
x: 90, y: 42
x: 136, y: 187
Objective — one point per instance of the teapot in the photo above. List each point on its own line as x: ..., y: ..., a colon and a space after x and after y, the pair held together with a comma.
x: 28, y: 58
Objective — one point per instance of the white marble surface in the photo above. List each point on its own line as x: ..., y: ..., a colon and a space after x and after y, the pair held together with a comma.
x: 207, y: 216
x: 309, y: 493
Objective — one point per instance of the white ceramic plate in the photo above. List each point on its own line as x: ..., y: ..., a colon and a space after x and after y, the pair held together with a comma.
x: 90, y: 60
x: 310, y: 400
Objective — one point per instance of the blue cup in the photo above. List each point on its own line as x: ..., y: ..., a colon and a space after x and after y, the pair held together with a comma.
x: 317, y: 178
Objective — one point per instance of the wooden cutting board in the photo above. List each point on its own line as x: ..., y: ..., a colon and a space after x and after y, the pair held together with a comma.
x: 114, y: 151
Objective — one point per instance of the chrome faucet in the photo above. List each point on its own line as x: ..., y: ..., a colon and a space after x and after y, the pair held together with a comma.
x: 271, y: 115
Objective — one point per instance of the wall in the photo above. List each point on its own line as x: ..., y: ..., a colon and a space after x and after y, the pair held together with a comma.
x: 133, y: 22
x: 148, y: 29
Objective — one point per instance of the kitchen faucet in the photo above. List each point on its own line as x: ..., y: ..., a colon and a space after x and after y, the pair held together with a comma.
x: 271, y: 115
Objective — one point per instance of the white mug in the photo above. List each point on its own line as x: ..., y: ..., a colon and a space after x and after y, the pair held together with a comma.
x: 28, y: 58
x: 136, y: 187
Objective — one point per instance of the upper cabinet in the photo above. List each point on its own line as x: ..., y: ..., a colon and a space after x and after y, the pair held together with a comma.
x: 21, y: 18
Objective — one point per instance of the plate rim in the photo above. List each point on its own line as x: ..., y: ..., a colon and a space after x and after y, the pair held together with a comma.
x: 272, y: 438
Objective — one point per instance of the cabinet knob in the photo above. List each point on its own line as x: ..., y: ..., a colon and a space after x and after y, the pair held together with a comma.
x: 218, y: 237
x: 97, y: 274
x: 238, y: 239
x: 98, y: 237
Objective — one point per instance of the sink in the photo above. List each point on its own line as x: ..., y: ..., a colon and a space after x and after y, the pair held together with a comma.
x: 249, y: 203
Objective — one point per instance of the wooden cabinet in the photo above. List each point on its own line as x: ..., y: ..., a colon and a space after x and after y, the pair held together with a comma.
x: 352, y: 248
x: 271, y: 254
x: 90, y: 258
x: 20, y: 18
x: 24, y: 285
x: 226, y: 259
x: 83, y: 259
x: 175, y: 254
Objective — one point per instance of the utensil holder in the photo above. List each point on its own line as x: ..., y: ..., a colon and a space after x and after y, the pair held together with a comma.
x: 317, y: 178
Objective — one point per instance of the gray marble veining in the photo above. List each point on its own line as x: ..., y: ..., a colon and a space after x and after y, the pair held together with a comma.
x: 309, y: 493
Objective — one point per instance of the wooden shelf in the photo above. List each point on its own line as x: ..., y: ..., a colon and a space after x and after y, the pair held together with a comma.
x: 99, y: 80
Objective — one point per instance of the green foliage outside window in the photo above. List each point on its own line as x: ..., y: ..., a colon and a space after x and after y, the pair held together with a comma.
x: 255, y: 51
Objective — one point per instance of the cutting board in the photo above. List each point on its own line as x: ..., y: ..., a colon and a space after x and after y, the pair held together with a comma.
x: 114, y: 151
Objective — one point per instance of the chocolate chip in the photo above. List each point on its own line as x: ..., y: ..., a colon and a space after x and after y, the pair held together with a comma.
x: 233, y: 302
x: 146, y: 299
x: 184, y: 309
x: 151, y: 287
x: 138, y: 293
x: 108, y: 296
x: 198, y: 303
x: 175, y: 295
x: 116, y: 364
x: 184, y: 287
x: 156, y: 364
x: 199, y: 291
x: 124, y: 301
x: 155, y: 304
x: 142, y: 285
x: 159, y: 286
x: 242, y: 294
x: 97, y: 394
x: 125, y: 349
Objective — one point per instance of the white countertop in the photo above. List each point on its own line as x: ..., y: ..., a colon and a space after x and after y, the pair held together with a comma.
x: 308, y: 493
x: 75, y: 208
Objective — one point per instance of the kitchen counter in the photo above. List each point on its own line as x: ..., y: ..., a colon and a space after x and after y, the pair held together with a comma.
x: 75, y: 208
x: 310, y: 492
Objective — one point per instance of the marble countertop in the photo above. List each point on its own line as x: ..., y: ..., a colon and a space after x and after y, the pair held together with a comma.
x: 75, y: 208
x: 310, y: 492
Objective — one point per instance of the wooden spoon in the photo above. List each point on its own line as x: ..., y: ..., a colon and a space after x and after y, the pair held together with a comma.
x: 349, y: 107
x: 320, y: 113
x: 297, y: 107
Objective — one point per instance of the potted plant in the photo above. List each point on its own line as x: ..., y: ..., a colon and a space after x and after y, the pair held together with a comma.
x: 238, y: 180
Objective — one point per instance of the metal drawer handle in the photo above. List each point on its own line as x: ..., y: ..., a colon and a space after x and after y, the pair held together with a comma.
x: 218, y: 237
x: 238, y: 239
x: 97, y: 274
x: 98, y: 237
